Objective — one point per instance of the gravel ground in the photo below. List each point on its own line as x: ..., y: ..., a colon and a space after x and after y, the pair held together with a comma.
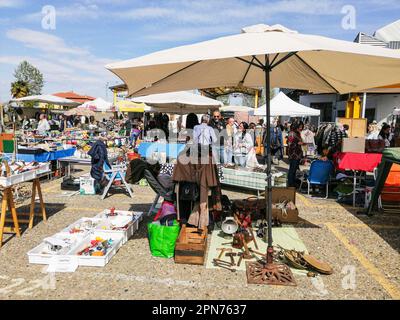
x: 364, y: 253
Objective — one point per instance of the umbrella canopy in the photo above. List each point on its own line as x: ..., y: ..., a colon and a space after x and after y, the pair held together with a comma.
x: 130, y: 106
x: 99, y: 105
x: 177, y: 102
x: 48, y: 98
x: 282, y: 105
x: 236, y: 109
x: 298, y: 61
x: 80, y: 112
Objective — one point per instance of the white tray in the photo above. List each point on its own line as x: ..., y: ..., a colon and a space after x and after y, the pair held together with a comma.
x: 132, y: 227
x: 136, y: 215
x: 43, y: 168
x: 90, y: 261
x: 17, y: 178
x: 39, y: 254
x: 96, y: 221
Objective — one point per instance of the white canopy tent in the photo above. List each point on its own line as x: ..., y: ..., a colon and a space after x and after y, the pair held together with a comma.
x: 179, y: 102
x: 282, y: 105
x: 236, y: 109
x: 99, y: 105
x: 48, y: 98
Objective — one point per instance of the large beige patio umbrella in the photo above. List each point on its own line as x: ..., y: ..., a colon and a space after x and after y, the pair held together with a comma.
x: 262, y: 55
x: 297, y: 61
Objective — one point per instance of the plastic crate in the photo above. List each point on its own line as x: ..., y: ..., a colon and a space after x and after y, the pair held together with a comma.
x: 85, y: 224
x: 17, y: 178
x: 94, y: 261
x: 41, y: 255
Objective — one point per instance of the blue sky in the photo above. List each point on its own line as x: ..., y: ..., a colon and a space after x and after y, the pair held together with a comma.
x: 91, y: 33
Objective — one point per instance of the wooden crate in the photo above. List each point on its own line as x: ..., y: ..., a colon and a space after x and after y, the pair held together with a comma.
x: 191, y: 246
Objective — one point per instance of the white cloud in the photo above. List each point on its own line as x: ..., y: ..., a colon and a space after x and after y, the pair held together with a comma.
x: 64, y: 67
x: 11, y: 3
x: 42, y: 41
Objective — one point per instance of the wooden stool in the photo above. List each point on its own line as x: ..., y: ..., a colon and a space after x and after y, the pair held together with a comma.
x: 8, y: 201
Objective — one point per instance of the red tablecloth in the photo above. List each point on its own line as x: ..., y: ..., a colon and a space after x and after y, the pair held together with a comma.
x: 357, y: 161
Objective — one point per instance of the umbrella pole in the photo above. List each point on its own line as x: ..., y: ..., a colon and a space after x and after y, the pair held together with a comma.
x: 269, y: 272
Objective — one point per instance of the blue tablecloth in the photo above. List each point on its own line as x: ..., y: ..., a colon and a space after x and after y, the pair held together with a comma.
x: 172, y: 150
x: 45, y: 156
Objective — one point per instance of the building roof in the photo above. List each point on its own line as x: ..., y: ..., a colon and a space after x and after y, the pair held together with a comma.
x: 74, y: 96
x: 390, y: 32
x: 364, y: 38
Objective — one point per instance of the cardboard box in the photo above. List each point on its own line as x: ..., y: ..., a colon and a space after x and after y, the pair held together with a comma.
x: 86, y: 183
x: 282, y: 194
x: 356, y: 145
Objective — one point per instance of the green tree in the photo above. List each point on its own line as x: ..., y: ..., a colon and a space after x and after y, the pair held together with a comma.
x: 19, y: 89
x: 27, y: 73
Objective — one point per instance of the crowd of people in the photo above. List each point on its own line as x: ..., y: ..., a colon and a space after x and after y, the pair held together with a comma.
x: 124, y: 126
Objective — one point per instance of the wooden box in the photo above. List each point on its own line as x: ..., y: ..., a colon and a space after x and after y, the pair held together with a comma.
x: 191, y: 246
x: 279, y: 195
x: 356, y: 145
x: 357, y: 126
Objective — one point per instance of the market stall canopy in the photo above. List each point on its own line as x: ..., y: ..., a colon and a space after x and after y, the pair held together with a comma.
x: 179, y: 102
x: 80, y: 112
x: 282, y: 105
x: 130, y: 106
x: 296, y: 61
x: 236, y: 109
x: 99, y: 105
x: 48, y: 98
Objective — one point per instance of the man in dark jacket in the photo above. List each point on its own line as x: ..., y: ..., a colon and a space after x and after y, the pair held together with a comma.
x: 99, y: 156
x: 218, y: 124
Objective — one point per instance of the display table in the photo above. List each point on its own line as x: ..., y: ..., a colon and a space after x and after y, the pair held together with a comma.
x: 172, y: 150
x: 44, y: 156
x: 68, y: 162
x: 8, y: 201
x: 248, y: 179
x: 365, y: 162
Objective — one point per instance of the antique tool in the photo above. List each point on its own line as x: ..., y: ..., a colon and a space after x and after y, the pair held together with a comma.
x: 223, y: 250
x: 257, y: 252
x: 217, y: 264
x: 231, y: 255
x: 219, y: 261
x: 254, y: 238
x: 227, y: 243
x: 246, y: 254
x: 240, y: 258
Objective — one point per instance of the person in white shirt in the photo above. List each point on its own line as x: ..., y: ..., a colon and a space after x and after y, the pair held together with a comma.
x: 43, y: 126
x: 204, y: 137
x: 203, y: 134
x: 242, y: 145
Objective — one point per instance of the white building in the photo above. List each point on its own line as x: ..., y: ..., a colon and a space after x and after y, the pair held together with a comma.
x: 379, y: 102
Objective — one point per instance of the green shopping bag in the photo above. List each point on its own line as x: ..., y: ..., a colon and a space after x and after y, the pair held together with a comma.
x: 162, y: 239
